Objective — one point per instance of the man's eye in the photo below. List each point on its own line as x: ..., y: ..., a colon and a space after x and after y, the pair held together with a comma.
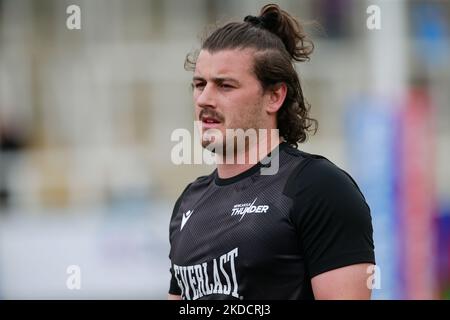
x: 226, y: 86
x: 198, y: 85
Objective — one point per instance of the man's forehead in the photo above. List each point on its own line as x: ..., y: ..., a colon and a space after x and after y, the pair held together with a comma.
x: 224, y: 63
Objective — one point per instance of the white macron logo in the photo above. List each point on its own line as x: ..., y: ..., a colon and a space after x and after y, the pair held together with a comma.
x: 186, y: 217
x: 242, y: 208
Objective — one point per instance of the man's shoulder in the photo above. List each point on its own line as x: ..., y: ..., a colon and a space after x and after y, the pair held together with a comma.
x: 302, y: 160
x: 200, y: 182
x: 314, y: 171
x: 302, y: 157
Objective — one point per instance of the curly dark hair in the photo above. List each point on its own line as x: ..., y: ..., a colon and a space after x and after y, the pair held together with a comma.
x: 279, y: 41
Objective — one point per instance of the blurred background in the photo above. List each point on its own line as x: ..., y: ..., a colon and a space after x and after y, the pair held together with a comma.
x: 86, y: 177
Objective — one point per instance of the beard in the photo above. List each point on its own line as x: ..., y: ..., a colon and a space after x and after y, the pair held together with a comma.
x: 231, y: 139
x: 214, y: 140
x: 232, y: 142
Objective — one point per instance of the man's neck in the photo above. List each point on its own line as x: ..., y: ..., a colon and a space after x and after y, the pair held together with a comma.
x: 226, y: 170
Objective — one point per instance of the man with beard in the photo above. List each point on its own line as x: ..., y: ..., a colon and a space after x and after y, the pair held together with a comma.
x: 302, y: 231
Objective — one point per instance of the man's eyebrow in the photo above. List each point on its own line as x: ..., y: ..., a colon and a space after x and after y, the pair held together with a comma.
x: 216, y: 79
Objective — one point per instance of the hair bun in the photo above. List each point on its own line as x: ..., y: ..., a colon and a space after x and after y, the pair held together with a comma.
x: 255, y: 21
x: 288, y: 29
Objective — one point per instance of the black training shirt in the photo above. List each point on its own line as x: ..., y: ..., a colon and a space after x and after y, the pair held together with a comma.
x: 256, y: 236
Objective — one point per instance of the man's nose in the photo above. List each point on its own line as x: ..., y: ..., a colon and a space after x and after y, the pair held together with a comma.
x: 206, y: 98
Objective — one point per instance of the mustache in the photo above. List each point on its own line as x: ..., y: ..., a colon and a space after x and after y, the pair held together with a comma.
x: 210, y: 114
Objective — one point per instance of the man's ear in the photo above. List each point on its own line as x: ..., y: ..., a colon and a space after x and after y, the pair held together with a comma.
x: 276, y: 97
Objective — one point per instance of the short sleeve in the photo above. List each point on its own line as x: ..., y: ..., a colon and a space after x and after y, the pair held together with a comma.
x: 174, y: 288
x: 331, y: 216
